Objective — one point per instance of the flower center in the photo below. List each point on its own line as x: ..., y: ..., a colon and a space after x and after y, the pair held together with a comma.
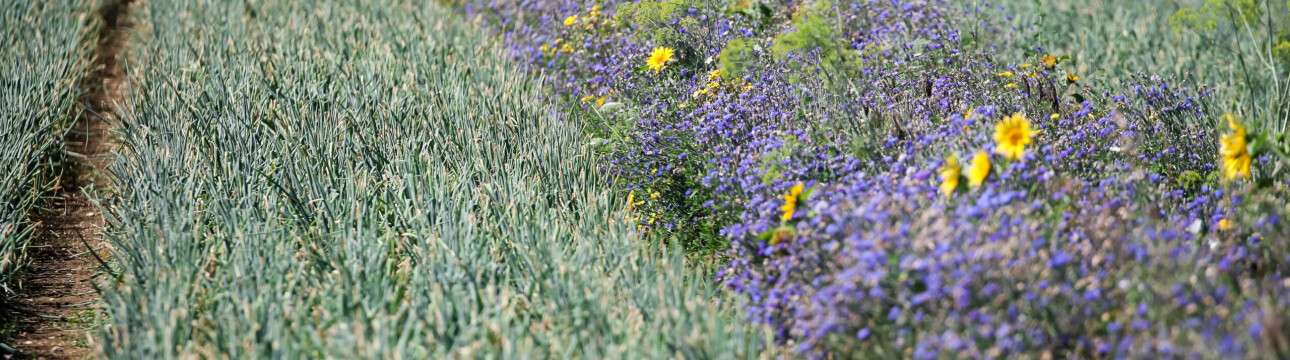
x: 1015, y: 137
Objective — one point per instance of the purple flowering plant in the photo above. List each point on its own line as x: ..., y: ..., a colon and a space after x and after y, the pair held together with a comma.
x: 878, y: 177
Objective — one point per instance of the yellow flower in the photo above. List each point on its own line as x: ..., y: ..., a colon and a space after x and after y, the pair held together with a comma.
x: 1012, y: 135
x: 1025, y: 66
x: 1048, y: 60
x: 1010, y: 85
x: 1236, y: 167
x: 659, y: 57
x: 968, y: 115
x: 950, y: 174
x: 569, y: 20
x: 1233, y: 143
x: 1225, y: 225
x: 1054, y: 116
x: 1072, y: 78
x: 1236, y: 157
x: 790, y: 201
x: 1005, y: 74
x: 601, y: 102
x: 631, y: 199
x: 714, y: 74
x: 979, y: 170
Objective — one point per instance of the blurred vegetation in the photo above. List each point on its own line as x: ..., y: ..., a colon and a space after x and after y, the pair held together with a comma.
x: 1229, y: 46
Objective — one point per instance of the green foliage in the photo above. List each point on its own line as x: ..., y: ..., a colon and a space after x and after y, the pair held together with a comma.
x: 649, y: 11
x: 735, y: 57
x: 1190, y: 18
x: 1207, y: 17
x: 811, y: 32
x: 649, y: 15
x: 758, y: 11
x: 1282, y: 48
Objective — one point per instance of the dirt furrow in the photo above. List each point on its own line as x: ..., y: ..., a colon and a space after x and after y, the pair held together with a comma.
x: 58, y: 295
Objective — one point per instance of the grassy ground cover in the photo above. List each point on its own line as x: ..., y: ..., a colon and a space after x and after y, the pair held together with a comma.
x: 948, y: 178
x: 372, y: 179
x: 45, y: 53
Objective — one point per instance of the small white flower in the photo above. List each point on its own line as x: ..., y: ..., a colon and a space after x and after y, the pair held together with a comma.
x: 1194, y: 227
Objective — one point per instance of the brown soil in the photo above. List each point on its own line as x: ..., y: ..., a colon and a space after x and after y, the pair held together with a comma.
x: 58, y: 296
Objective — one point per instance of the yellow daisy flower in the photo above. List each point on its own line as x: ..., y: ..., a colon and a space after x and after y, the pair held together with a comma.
x: 979, y: 170
x: 1012, y: 135
x: 1225, y: 225
x: 1048, y: 60
x: 1235, y: 167
x: 659, y: 57
x: 1072, y: 78
x: 1232, y: 147
x: 714, y: 74
x: 570, y: 20
x: 950, y: 174
x: 1233, y: 144
x: 1005, y: 74
x: 790, y: 201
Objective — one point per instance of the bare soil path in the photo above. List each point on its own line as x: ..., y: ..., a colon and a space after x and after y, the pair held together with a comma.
x: 58, y: 290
